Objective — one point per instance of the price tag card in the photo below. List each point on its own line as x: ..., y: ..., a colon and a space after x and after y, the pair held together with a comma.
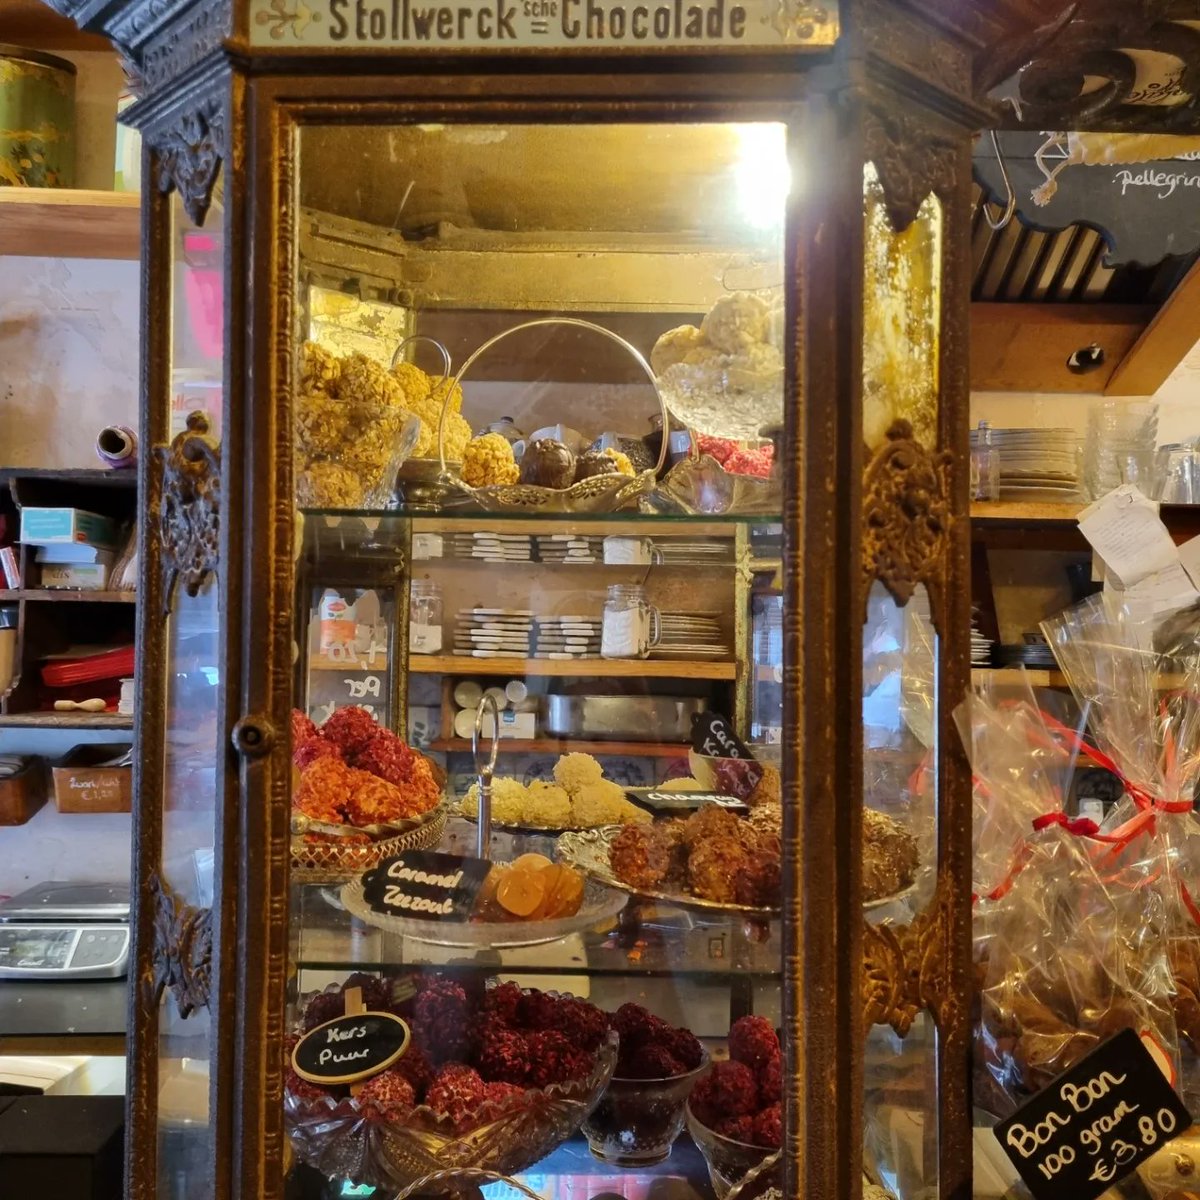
x: 1093, y: 1125
x: 425, y: 884
x: 658, y: 801
x: 350, y: 1048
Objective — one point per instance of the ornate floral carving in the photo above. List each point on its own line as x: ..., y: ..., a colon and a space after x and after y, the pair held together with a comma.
x: 189, y: 520
x: 908, y: 41
x: 906, y: 516
x: 182, y: 949
x: 906, y: 968
x: 189, y: 154
x: 912, y: 160
x: 184, y: 42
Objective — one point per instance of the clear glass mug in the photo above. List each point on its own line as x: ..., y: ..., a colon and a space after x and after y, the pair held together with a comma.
x: 1175, y: 471
x: 631, y: 626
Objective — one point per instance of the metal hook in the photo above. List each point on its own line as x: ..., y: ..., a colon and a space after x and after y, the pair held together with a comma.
x: 1010, y: 208
x: 485, y: 771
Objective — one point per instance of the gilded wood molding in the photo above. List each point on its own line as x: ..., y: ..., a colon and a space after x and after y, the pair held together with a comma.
x: 906, y: 968
x: 183, y: 941
x: 906, y: 516
x: 189, y: 517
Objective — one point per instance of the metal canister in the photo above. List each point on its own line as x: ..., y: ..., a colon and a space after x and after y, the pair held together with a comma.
x: 37, y: 119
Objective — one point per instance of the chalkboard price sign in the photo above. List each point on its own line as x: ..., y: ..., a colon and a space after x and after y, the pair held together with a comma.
x: 676, y: 802
x: 1093, y: 1125
x: 737, y: 772
x: 350, y: 1048
x: 425, y: 884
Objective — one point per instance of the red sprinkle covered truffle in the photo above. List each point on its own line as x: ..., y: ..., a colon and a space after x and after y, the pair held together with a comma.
x: 752, y: 1040
x: 770, y: 1082
x: 768, y: 1127
x: 684, y: 1046
x: 503, y: 1055
x: 350, y: 729
x: 416, y: 1068
x: 303, y: 727
x: 740, y: 1129
x: 552, y: 1059
x: 582, y: 1022
x: 649, y: 1062
x: 728, y: 1090
x: 388, y: 1094
x: 456, y: 1092
x: 442, y: 1019
x: 387, y: 756
x: 502, y: 1004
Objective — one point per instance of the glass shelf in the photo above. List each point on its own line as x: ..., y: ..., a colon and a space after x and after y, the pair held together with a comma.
x: 474, y: 518
x: 646, y: 940
x: 567, y: 1174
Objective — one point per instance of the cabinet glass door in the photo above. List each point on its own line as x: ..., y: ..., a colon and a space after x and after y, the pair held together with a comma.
x: 188, y: 737
x: 534, y: 468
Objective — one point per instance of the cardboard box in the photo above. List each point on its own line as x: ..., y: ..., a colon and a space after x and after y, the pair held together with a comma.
x: 82, y: 786
x: 22, y: 794
x: 86, y: 577
x: 52, y: 526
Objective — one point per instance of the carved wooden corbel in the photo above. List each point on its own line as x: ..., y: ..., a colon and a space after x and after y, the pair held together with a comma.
x: 906, y: 516
x: 189, y: 519
x: 182, y: 949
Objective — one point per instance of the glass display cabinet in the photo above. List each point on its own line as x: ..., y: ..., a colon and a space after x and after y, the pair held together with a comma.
x: 554, y: 616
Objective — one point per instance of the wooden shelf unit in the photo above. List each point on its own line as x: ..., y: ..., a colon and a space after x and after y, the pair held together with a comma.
x: 65, y: 720
x: 563, y: 745
x: 78, y: 596
x: 616, y: 668
x: 70, y: 223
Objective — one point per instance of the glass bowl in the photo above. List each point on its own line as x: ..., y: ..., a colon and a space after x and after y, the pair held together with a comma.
x: 729, y: 1162
x: 637, y: 1120
x: 346, y: 1141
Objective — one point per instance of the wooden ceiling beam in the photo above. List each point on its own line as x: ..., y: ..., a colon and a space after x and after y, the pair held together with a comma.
x: 1163, y: 344
x: 1025, y: 347
x: 32, y: 24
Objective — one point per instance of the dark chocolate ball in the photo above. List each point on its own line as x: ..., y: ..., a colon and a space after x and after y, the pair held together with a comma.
x: 548, y: 463
x: 594, y: 462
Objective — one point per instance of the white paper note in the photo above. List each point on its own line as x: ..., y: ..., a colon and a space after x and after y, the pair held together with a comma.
x: 1124, y: 528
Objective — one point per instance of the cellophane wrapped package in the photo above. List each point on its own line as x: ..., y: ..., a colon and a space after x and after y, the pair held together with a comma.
x: 1136, y: 675
x: 1070, y: 944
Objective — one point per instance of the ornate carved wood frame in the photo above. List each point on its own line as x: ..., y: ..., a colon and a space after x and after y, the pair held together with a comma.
x: 897, y: 91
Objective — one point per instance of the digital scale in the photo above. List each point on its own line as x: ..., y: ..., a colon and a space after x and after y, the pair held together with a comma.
x: 67, y: 931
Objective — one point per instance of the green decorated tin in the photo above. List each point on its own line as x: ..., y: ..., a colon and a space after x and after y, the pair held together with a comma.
x: 37, y: 119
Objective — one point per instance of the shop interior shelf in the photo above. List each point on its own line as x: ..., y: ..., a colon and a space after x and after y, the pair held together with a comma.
x: 646, y: 940
x: 1034, y: 676
x: 71, y: 223
x: 563, y: 745
x: 1024, y: 510
x: 70, y: 594
x: 632, y: 523
x: 66, y: 720
x: 623, y: 668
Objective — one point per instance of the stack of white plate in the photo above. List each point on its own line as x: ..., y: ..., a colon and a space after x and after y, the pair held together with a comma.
x: 690, y: 552
x: 691, y: 635
x: 981, y: 647
x: 493, y: 632
x: 1038, y: 463
x: 491, y: 547
x: 569, y: 547
x: 568, y: 637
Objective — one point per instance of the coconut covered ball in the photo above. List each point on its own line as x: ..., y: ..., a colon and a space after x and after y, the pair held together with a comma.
x: 673, y: 347
x: 736, y: 322
x: 510, y: 800
x: 575, y: 771
x: 604, y: 803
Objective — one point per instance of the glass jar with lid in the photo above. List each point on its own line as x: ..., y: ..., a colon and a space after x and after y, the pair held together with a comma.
x: 424, y: 617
